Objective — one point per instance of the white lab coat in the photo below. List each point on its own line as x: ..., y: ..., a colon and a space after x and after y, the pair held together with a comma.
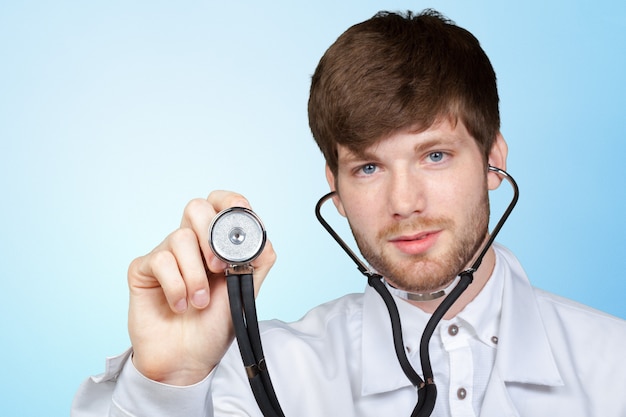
x: 554, y: 358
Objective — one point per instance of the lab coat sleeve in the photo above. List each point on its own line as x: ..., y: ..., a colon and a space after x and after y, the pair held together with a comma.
x: 121, y: 391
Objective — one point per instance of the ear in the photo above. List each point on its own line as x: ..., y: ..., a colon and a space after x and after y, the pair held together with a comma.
x: 330, y: 177
x: 497, y: 158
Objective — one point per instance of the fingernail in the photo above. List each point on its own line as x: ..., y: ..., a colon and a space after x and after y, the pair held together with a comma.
x: 200, y: 298
x: 181, y: 305
x: 241, y: 203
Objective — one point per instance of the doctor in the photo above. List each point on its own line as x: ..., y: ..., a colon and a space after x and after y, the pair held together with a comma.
x: 405, y: 111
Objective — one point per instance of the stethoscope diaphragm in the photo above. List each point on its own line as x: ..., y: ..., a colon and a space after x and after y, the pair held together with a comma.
x: 237, y: 235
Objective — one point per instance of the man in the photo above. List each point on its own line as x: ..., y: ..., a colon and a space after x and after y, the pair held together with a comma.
x: 405, y: 111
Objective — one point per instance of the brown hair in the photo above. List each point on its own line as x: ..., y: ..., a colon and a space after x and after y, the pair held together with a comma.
x: 401, y: 71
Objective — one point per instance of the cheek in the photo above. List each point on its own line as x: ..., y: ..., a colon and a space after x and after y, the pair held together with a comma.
x: 352, y: 203
x: 339, y: 205
x: 460, y: 193
x: 356, y: 217
x: 360, y: 214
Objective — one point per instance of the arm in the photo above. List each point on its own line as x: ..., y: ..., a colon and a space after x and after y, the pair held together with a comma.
x: 179, y: 317
x: 123, y: 391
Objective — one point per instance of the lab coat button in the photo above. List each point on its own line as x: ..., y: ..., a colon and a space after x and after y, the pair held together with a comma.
x: 461, y: 393
x: 453, y: 330
x: 494, y: 340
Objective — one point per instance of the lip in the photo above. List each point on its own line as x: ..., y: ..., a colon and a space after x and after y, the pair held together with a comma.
x: 416, y: 244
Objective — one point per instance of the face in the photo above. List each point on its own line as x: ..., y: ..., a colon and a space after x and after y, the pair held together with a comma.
x: 417, y: 203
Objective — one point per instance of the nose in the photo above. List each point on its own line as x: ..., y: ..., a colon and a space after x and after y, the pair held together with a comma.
x: 406, y: 195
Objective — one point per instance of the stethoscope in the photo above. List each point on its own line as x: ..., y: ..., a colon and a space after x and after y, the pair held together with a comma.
x: 237, y: 236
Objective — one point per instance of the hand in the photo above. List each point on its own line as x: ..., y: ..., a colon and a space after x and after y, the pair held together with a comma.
x: 179, y: 316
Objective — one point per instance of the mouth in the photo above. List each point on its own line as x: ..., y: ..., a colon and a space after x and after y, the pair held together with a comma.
x: 416, y: 244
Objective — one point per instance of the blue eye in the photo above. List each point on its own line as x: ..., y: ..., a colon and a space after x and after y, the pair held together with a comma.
x: 436, y: 156
x: 368, y: 169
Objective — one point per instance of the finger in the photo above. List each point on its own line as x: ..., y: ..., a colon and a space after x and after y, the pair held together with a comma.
x: 221, y: 200
x: 183, y: 244
x: 197, y: 217
x: 266, y: 259
x: 263, y: 264
x: 199, y: 214
x: 158, y: 271
x: 197, y: 211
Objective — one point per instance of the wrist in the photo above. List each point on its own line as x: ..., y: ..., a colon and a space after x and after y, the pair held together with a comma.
x: 181, y: 377
x: 139, y: 396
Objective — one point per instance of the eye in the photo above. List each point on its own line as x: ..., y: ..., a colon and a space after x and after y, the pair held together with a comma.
x: 436, y: 156
x: 368, y: 169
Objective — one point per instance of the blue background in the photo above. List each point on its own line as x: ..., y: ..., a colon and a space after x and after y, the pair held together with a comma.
x: 113, y: 114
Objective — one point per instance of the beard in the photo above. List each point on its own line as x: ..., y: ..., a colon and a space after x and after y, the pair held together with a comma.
x: 427, y: 272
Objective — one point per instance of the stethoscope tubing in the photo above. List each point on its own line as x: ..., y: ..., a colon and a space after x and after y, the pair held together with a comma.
x: 245, y: 322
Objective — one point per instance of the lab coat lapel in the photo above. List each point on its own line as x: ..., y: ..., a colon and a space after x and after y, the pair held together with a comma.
x: 524, y: 354
x: 497, y: 402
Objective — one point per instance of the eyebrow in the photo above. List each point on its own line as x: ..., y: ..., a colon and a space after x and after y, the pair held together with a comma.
x: 355, y: 156
x: 352, y: 156
x: 439, y: 141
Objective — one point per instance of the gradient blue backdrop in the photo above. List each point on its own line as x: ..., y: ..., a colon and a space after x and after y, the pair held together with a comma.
x: 113, y: 114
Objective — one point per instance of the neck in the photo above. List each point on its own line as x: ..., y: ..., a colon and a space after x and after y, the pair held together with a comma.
x: 423, y: 296
x: 481, y: 276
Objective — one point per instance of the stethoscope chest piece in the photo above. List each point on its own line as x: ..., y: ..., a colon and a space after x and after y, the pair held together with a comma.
x: 237, y: 236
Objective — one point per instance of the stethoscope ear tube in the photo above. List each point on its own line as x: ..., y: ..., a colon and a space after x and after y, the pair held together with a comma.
x: 503, y: 218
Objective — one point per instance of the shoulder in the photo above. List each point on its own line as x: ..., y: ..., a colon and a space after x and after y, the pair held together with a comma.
x: 580, y: 334
x: 556, y: 311
x: 567, y: 311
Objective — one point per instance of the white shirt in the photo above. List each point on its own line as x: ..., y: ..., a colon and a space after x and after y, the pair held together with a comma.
x: 552, y: 357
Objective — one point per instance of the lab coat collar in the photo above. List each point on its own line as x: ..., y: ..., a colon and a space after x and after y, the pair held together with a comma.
x: 523, y: 353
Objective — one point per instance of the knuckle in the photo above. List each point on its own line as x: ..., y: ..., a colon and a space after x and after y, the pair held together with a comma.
x: 135, y: 267
x: 161, y: 258
x: 230, y: 197
x: 213, y: 194
x: 271, y: 253
x: 272, y: 258
x: 182, y: 236
x: 195, y: 206
x: 268, y: 257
